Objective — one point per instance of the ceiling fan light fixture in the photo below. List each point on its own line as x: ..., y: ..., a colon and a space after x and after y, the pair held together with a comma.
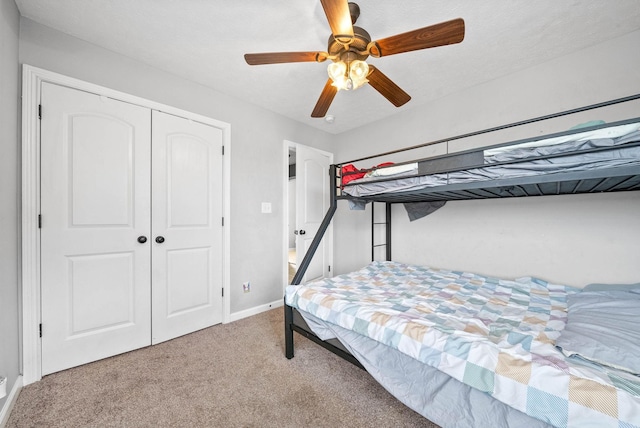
x: 337, y: 70
x: 338, y: 74
x: 358, y: 72
x: 348, y: 75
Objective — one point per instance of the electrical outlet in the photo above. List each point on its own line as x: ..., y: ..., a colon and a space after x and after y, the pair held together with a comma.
x: 246, y: 287
x: 266, y: 208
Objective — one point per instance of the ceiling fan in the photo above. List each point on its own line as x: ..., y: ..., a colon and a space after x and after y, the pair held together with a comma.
x: 349, y: 46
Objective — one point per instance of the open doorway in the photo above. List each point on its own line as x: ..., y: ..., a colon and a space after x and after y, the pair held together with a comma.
x: 306, y: 202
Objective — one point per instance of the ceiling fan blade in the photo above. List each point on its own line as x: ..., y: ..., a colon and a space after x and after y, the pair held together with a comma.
x: 387, y: 88
x: 445, y: 33
x: 327, y: 95
x: 339, y: 18
x: 283, y: 57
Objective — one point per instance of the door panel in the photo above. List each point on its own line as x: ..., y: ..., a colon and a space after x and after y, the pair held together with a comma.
x: 312, y: 201
x: 190, y: 263
x: 189, y: 176
x: 314, y: 182
x: 187, y: 195
x: 95, y: 202
x: 101, y: 288
x: 104, y: 162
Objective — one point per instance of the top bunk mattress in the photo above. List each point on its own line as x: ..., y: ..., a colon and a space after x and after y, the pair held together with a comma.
x: 596, y: 150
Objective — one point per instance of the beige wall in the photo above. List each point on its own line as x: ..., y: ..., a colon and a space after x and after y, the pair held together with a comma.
x: 257, y: 153
x: 10, y: 194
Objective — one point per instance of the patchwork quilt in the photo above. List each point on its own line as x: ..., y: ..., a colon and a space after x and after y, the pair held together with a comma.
x: 492, y: 334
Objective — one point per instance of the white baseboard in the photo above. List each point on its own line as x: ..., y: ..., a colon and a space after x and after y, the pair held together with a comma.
x: 10, y: 401
x: 256, y: 310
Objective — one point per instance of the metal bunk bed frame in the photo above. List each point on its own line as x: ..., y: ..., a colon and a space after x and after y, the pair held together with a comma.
x: 625, y: 179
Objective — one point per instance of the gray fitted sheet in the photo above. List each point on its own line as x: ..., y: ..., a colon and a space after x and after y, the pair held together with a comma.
x: 435, y: 395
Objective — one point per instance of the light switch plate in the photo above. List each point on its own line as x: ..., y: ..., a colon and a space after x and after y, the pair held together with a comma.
x: 266, y: 207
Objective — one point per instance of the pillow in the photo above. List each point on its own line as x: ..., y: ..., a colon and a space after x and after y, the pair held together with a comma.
x: 611, y: 287
x: 587, y: 124
x: 604, y: 327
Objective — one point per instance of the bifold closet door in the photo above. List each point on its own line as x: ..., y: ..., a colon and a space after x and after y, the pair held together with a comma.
x: 131, y: 233
x: 187, y: 226
x: 95, y: 213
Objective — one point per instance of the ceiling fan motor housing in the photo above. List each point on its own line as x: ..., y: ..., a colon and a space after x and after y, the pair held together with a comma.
x: 357, y: 48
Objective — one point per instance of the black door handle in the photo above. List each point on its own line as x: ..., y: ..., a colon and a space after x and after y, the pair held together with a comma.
x: 142, y: 239
x: 160, y: 239
x: 302, y: 232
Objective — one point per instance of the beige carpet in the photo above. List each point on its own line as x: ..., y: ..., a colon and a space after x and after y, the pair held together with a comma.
x: 232, y: 375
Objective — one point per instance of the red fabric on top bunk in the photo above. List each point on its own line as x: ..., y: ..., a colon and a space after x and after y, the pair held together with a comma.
x: 350, y: 172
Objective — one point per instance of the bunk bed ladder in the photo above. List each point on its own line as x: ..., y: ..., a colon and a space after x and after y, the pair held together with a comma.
x: 375, y: 225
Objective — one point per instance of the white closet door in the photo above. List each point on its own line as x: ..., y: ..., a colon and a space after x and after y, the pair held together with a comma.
x: 95, y: 201
x: 186, y: 226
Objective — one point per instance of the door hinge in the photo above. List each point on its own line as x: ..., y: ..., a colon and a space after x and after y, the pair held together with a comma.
x: 223, y: 221
x: 222, y: 150
x: 40, y: 329
x: 39, y: 111
x: 39, y: 221
x: 223, y: 292
x: 329, y: 268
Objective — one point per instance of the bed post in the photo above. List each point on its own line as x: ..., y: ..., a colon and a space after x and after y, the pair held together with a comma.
x: 288, y: 331
x: 297, y: 278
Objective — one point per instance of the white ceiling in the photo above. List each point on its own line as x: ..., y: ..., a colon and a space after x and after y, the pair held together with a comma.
x: 204, y: 41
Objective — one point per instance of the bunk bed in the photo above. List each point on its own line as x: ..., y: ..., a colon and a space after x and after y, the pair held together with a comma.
x: 465, y: 349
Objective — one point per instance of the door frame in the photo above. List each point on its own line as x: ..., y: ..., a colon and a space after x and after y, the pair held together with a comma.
x: 32, y: 77
x: 285, y: 209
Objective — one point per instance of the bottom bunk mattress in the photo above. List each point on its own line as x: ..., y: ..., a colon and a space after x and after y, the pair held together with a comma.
x: 494, y: 336
x: 435, y: 395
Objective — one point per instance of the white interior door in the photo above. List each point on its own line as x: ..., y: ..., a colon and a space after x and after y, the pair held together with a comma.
x: 312, y: 202
x: 95, y: 203
x: 187, y: 226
